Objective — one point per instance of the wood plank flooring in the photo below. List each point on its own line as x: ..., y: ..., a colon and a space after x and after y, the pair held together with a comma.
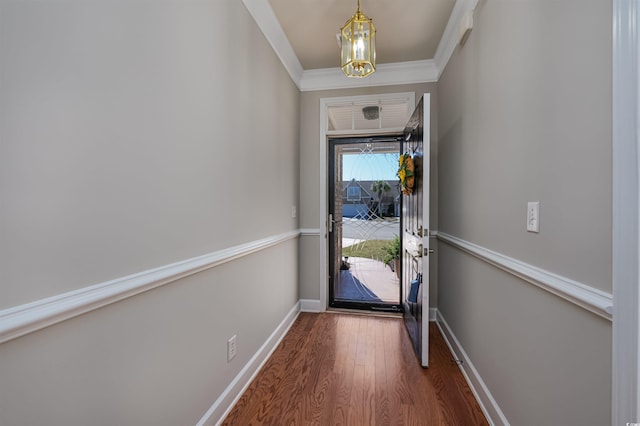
x: 344, y: 369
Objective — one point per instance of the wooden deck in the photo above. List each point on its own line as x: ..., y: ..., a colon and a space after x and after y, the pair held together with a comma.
x: 344, y: 369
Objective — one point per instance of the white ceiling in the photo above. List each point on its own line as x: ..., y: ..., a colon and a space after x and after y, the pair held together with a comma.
x: 415, y: 38
x: 406, y: 30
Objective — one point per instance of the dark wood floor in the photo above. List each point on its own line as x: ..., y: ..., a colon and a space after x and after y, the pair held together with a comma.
x: 341, y: 369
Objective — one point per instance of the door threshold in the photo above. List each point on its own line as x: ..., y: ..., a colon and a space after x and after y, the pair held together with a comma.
x: 364, y: 312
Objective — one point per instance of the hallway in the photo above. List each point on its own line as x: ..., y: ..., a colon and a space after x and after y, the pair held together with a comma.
x: 164, y: 173
x: 350, y: 369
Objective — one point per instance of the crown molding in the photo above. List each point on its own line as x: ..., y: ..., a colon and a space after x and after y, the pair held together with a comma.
x: 386, y: 74
x: 268, y: 23
x: 423, y: 71
x: 450, y: 37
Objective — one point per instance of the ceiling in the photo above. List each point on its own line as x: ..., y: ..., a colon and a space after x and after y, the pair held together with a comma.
x: 415, y: 38
x: 406, y: 30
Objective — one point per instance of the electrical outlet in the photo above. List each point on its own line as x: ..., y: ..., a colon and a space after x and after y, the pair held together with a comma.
x: 231, y: 348
x: 294, y: 211
x: 533, y: 216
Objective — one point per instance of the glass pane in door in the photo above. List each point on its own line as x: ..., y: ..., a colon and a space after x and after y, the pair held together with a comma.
x: 365, y: 223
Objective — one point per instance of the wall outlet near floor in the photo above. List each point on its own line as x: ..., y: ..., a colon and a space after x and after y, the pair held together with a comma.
x: 294, y: 211
x: 533, y: 216
x: 231, y: 348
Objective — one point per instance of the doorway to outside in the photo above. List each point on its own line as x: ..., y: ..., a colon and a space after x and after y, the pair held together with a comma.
x: 364, y: 223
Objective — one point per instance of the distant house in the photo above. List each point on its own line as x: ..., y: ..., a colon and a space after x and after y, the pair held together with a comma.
x: 359, y: 201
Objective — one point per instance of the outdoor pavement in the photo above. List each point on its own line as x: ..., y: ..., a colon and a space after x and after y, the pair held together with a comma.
x: 368, y: 280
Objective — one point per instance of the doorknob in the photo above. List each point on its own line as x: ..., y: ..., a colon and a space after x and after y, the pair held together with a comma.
x: 332, y: 222
x: 424, y: 251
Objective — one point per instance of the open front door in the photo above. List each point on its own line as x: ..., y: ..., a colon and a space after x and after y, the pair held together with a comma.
x: 364, y: 222
x: 415, y: 228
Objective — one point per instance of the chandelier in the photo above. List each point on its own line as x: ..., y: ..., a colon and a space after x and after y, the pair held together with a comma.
x: 358, y: 46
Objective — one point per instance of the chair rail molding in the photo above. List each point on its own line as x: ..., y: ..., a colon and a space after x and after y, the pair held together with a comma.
x: 589, y: 298
x: 23, y: 319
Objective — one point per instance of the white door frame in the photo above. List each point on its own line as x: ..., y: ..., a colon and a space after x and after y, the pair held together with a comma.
x: 325, y: 103
x: 625, y: 406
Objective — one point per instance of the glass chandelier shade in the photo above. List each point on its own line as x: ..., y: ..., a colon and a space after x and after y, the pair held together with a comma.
x: 358, y: 46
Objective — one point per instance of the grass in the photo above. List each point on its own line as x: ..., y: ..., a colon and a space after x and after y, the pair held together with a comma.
x: 370, y: 249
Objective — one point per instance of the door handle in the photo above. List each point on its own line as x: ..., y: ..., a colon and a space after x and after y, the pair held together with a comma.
x: 333, y: 222
x: 424, y: 251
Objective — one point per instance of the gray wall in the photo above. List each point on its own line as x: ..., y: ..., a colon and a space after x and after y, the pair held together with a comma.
x: 310, y: 175
x: 524, y: 114
x: 136, y: 134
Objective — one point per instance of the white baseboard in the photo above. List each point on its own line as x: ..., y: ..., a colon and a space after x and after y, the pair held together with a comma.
x: 311, y: 305
x: 223, y: 405
x: 488, y: 404
x: 433, y: 314
x: 230, y: 396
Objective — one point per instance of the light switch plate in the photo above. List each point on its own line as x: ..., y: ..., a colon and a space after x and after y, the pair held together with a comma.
x: 533, y: 216
x: 231, y: 348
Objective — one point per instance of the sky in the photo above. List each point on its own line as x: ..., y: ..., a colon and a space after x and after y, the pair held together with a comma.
x: 370, y: 166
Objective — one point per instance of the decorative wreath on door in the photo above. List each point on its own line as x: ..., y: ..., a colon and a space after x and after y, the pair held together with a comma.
x: 406, y: 173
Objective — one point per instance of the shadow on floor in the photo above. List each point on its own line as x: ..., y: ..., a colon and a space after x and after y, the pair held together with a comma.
x: 351, y: 288
x: 368, y: 280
